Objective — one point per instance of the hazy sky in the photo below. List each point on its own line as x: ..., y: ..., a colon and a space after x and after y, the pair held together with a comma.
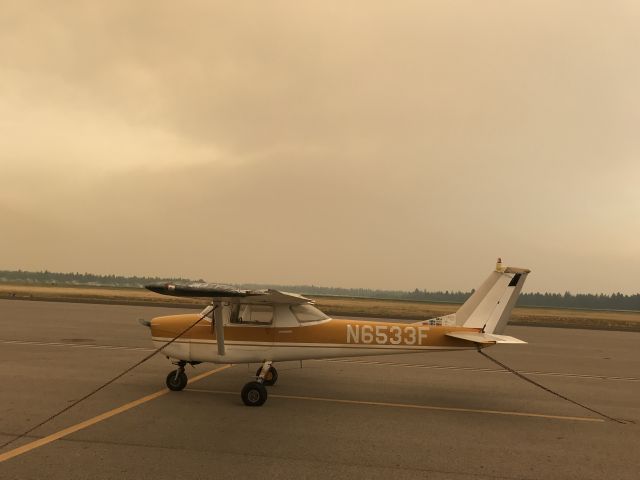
x: 359, y: 144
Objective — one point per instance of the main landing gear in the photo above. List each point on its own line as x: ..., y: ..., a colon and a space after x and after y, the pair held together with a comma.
x: 270, y: 378
x: 177, y: 379
x: 254, y: 394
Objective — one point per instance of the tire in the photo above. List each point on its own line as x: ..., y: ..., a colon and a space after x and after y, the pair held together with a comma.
x: 176, y: 384
x: 254, y: 394
x: 270, y: 378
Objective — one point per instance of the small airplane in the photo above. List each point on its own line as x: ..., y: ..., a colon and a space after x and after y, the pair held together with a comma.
x: 267, y: 326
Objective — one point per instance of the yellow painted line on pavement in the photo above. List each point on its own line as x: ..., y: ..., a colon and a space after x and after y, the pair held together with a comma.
x: 99, y: 418
x: 409, y: 405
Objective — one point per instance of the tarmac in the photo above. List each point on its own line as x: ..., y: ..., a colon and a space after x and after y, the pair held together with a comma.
x: 448, y: 415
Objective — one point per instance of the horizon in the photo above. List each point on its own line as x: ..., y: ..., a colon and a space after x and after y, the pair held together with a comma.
x: 525, y: 290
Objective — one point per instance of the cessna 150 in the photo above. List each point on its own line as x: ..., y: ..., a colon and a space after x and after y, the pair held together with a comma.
x: 266, y: 326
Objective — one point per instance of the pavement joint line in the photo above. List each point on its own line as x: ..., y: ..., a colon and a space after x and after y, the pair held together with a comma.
x: 97, y: 419
x: 480, y: 369
x: 342, y: 360
x: 75, y: 345
x: 411, y: 406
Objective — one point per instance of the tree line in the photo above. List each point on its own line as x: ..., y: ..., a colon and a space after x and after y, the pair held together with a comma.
x: 71, y: 278
x: 615, y: 301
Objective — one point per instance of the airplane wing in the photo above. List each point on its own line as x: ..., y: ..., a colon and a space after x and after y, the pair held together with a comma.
x: 205, y: 290
x: 227, y: 293
x: 276, y: 296
x: 484, y: 338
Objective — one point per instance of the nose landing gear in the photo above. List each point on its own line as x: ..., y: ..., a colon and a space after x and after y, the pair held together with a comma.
x: 177, y: 379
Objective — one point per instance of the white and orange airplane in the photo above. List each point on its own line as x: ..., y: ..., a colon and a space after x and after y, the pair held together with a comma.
x: 266, y: 326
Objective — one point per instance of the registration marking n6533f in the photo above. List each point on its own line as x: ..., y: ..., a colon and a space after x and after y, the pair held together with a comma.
x: 386, y: 335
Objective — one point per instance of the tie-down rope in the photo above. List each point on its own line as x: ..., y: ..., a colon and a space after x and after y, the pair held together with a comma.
x: 93, y: 392
x: 527, y: 379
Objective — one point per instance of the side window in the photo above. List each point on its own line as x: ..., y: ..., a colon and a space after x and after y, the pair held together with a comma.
x: 261, y: 313
x: 235, y: 313
x: 253, y: 314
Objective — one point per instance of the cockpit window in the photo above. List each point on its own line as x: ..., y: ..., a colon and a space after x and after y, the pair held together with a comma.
x: 252, y: 314
x: 307, y: 313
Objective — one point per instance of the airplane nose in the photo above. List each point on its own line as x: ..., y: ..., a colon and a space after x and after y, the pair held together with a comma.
x: 144, y: 323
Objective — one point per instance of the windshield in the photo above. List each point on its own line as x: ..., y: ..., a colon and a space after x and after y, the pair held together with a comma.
x: 307, y: 313
x: 207, y: 312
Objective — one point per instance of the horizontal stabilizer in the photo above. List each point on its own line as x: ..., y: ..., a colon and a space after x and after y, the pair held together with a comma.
x: 484, y: 338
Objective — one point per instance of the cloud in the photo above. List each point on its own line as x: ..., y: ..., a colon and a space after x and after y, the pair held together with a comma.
x: 352, y: 144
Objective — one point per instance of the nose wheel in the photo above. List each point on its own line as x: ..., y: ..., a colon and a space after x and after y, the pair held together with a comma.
x: 177, y: 379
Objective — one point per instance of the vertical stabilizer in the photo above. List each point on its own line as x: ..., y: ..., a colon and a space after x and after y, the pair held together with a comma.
x: 489, y: 308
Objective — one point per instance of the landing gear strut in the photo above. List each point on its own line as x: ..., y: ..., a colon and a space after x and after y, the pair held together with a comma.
x: 254, y: 394
x: 177, y: 379
x: 270, y: 378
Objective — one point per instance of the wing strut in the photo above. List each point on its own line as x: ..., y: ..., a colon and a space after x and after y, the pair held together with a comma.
x: 219, y: 325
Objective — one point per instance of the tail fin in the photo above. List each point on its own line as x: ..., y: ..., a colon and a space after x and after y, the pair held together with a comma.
x: 489, y: 308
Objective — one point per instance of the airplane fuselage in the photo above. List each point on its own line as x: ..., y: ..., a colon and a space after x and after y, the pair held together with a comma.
x: 329, y: 338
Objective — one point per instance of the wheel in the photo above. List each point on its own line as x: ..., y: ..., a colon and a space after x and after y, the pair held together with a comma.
x: 271, y: 377
x: 254, y: 394
x: 176, y: 383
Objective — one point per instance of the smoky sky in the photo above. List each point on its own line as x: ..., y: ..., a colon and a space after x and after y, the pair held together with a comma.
x: 392, y: 145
